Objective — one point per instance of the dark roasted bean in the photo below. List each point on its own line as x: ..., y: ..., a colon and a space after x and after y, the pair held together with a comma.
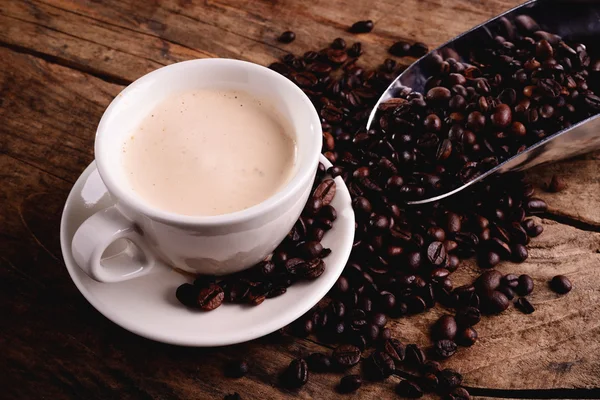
x: 468, y: 316
x: 350, y: 383
x: 445, y: 348
x: 318, y: 362
x: 467, y: 337
x: 409, y: 390
x: 236, y: 368
x: 296, y: 375
x: 525, y: 285
x: 524, y: 305
x: 362, y: 27
x: 287, y: 37
x: 561, y: 284
x: 346, y: 356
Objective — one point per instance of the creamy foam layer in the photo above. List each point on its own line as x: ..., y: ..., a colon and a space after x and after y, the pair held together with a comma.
x: 209, y: 152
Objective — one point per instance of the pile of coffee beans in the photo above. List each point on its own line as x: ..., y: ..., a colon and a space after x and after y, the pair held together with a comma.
x: 522, y: 86
x: 299, y: 257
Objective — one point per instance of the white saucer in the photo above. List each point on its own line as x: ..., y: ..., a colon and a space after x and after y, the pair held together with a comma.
x: 147, y: 306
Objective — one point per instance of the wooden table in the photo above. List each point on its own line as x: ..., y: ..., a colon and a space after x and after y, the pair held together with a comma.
x: 61, y: 63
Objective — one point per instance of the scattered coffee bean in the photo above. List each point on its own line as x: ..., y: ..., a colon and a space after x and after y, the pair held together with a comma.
x: 467, y: 337
x: 350, y: 383
x: 414, y: 355
x: 380, y: 365
x: 429, y: 382
x: 524, y: 305
x: 557, y: 184
x: 494, y: 302
x: 489, y: 280
x: 400, y: 49
x: 419, y: 49
x: 561, y: 284
x: 445, y: 348
x: 468, y: 317
x: 346, y: 356
x: 210, y: 297
x: 362, y: 27
x: 287, y: 37
x: 236, y: 368
x: 187, y: 294
x: 444, y: 328
x: 449, y: 379
x: 296, y: 374
x: 395, y: 349
x: 340, y: 44
x: 525, y: 285
x: 409, y: 389
x: 318, y: 362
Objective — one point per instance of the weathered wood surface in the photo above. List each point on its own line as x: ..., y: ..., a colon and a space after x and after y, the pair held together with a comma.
x: 61, y: 63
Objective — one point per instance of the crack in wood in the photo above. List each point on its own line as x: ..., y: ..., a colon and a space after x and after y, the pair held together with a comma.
x: 67, y: 63
x: 575, y: 223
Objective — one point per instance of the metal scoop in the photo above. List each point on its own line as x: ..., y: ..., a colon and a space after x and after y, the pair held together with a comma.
x: 573, y: 20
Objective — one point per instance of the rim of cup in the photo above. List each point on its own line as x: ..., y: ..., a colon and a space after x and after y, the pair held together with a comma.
x: 303, y: 170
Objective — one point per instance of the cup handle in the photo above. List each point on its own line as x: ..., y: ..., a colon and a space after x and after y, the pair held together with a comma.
x: 97, y: 233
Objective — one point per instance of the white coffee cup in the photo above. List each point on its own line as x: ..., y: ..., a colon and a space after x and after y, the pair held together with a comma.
x: 215, y: 245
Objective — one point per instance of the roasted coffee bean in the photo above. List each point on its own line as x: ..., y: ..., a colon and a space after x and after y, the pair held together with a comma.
x: 445, y: 348
x: 467, y: 337
x: 525, y: 285
x: 287, y: 37
x: 439, y: 95
x: 318, y: 362
x: 400, y: 49
x: 436, y: 253
x: 431, y: 367
x: 380, y: 365
x: 338, y: 43
x: 524, y: 305
x: 507, y: 291
x: 557, y: 184
x: 296, y: 374
x: 395, y: 349
x: 325, y: 192
x: 502, y: 116
x: 187, y: 294
x: 409, y: 390
x: 342, y: 285
x: 561, y: 284
x: 449, y: 379
x: 414, y: 355
x: 236, y: 368
x: 489, y: 280
x: 210, y: 297
x: 536, y: 205
x: 468, y: 316
x: 362, y: 26
x: 489, y: 259
x: 346, y: 356
x: 349, y: 384
x: 444, y: 328
x: 494, y: 302
x: 379, y: 319
x: 429, y: 382
x: 419, y: 49
x: 519, y: 253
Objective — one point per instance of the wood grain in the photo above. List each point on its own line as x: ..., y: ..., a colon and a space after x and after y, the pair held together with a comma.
x: 62, y: 62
